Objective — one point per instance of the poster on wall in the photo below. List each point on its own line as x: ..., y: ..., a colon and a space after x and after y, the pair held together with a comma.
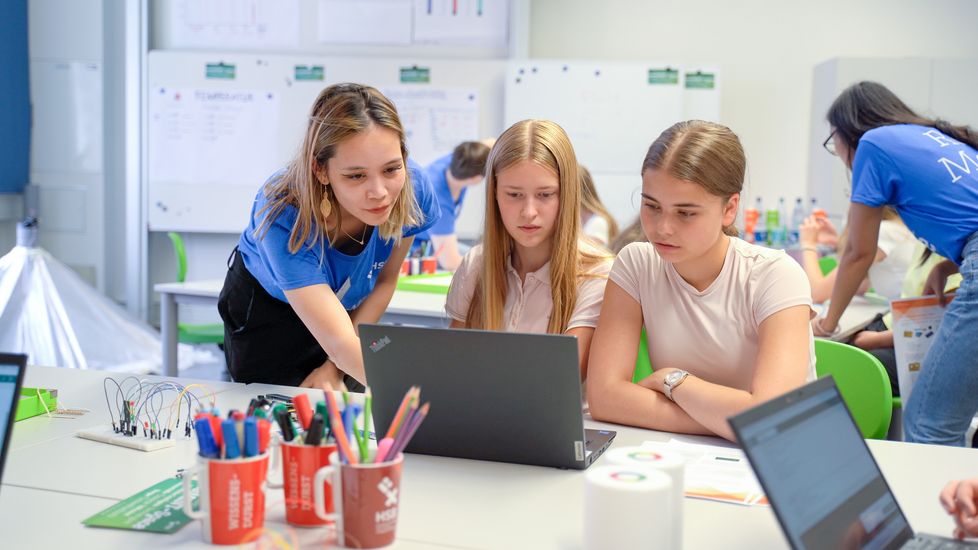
x: 435, y: 119
x: 227, y: 24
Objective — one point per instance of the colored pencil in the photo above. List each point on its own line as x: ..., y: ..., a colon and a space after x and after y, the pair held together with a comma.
x: 342, y: 443
x: 409, y: 432
x: 400, y: 413
x: 408, y: 420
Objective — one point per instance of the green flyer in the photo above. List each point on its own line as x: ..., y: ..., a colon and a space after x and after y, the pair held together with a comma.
x: 158, y: 509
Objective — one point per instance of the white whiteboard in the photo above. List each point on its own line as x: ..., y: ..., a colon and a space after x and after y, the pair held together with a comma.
x: 210, y: 151
x: 610, y: 110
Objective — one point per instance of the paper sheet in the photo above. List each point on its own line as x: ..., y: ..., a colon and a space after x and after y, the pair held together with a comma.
x: 230, y: 24
x: 193, y: 130
x: 470, y: 22
x: 435, y: 119
x: 715, y: 473
x: 915, y: 323
x: 365, y: 21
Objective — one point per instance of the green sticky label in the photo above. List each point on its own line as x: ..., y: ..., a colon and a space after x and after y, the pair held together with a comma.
x: 158, y: 509
x: 415, y: 74
x: 220, y: 70
x: 304, y: 72
x: 663, y: 76
x: 700, y: 81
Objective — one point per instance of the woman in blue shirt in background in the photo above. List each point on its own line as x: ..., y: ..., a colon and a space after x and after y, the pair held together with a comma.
x: 324, y: 246
x: 928, y: 171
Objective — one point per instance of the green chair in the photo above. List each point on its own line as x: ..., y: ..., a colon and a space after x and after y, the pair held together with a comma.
x: 863, y: 382
x: 827, y: 264
x: 187, y: 333
x: 643, y: 366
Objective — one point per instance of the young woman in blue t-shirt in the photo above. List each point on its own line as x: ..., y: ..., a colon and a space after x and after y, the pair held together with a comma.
x: 928, y: 171
x: 324, y: 246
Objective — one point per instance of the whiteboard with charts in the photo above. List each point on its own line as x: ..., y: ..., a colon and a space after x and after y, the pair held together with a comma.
x: 220, y: 124
x: 612, y: 111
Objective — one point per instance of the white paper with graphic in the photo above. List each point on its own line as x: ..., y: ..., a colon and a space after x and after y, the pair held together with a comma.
x: 915, y: 323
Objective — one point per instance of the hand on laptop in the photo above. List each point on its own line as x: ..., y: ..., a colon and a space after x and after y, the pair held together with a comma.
x: 960, y: 500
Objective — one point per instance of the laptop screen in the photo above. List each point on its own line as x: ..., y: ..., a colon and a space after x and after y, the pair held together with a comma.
x: 818, y: 472
x: 11, y: 373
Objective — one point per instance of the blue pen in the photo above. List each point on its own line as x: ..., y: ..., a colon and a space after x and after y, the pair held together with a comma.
x: 349, y: 415
x: 251, y: 436
x: 232, y: 448
x: 205, y: 439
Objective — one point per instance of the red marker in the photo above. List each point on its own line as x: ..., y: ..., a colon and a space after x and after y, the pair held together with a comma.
x: 303, y: 409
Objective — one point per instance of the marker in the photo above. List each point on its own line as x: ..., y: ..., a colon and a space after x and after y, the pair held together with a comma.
x: 232, y: 449
x: 264, y: 434
x: 382, y: 449
x: 251, y: 436
x: 314, y: 435
x: 302, y: 409
x: 284, y: 424
x: 205, y: 439
x: 323, y: 410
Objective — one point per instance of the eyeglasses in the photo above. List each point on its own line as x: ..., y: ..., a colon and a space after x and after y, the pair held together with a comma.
x: 829, y: 145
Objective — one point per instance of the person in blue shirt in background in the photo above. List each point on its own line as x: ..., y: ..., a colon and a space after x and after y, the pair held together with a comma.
x: 928, y: 171
x: 324, y: 246
x: 450, y: 175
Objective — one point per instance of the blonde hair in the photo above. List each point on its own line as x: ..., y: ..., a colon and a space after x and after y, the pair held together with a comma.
x: 340, y: 112
x: 590, y: 202
x: 705, y: 153
x: 544, y: 143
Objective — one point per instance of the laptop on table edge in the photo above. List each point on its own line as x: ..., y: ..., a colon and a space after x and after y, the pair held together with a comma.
x: 499, y: 396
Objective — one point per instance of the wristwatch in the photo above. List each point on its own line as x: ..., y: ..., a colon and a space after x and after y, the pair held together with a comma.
x: 672, y: 381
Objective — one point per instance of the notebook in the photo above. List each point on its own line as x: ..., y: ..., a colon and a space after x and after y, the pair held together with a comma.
x: 12, y: 368
x: 499, y: 396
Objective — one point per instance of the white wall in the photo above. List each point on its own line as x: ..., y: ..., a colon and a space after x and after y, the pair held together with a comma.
x: 766, y: 51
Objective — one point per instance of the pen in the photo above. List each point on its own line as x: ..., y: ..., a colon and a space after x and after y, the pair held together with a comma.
x: 251, y: 436
x: 205, y: 439
x: 314, y: 435
x: 232, y: 448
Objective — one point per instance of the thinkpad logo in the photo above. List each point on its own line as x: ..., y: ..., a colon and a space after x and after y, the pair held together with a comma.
x: 380, y: 344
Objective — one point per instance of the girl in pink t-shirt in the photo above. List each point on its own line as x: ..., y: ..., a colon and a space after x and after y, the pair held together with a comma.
x: 533, y: 272
x: 727, y: 321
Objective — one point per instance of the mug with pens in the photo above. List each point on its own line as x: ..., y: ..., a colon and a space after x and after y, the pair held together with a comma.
x: 365, y: 483
x: 422, y: 263
x: 232, y: 468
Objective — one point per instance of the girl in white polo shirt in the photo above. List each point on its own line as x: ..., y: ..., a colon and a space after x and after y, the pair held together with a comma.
x: 533, y: 272
x: 727, y: 321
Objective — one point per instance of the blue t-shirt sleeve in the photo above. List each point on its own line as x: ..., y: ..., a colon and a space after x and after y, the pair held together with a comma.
x: 873, y: 176
x: 424, y: 195
x: 290, y: 271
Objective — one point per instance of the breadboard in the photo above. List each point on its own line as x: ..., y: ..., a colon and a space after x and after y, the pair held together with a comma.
x: 104, y: 434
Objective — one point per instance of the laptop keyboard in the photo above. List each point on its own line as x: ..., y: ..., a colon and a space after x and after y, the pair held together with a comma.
x: 925, y: 542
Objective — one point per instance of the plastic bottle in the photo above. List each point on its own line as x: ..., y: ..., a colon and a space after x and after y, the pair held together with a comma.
x: 797, y: 218
x: 773, y: 228
x: 760, y: 229
x: 751, y: 215
x: 782, y: 221
x: 816, y: 211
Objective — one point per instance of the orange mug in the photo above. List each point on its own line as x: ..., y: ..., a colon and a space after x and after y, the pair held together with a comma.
x: 429, y: 264
x: 232, y: 498
x: 299, y: 466
x: 366, y: 497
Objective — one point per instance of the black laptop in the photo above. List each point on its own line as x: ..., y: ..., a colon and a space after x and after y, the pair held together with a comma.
x: 498, y: 396
x: 824, y: 485
x: 12, y: 367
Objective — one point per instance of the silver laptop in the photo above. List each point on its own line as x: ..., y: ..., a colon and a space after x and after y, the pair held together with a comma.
x: 824, y: 485
x: 12, y: 367
x: 498, y: 396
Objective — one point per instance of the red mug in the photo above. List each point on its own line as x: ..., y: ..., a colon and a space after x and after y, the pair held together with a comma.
x: 366, y: 498
x: 429, y: 264
x: 299, y: 465
x: 232, y: 498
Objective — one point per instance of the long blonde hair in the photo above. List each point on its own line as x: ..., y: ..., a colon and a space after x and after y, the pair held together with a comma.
x: 705, y: 153
x: 340, y: 112
x: 546, y: 144
x: 590, y: 202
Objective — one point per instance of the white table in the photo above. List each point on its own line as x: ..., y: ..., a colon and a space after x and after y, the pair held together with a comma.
x: 405, y: 308
x: 51, y: 486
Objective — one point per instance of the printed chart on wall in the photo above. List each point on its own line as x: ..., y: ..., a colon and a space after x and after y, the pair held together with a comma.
x: 229, y: 24
x: 205, y: 137
x: 476, y: 22
x: 435, y: 119
x: 915, y: 323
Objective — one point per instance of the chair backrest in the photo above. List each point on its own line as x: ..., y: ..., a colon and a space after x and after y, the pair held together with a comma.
x: 181, y: 253
x: 863, y: 382
x: 643, y: 366
x: 827, y: 263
